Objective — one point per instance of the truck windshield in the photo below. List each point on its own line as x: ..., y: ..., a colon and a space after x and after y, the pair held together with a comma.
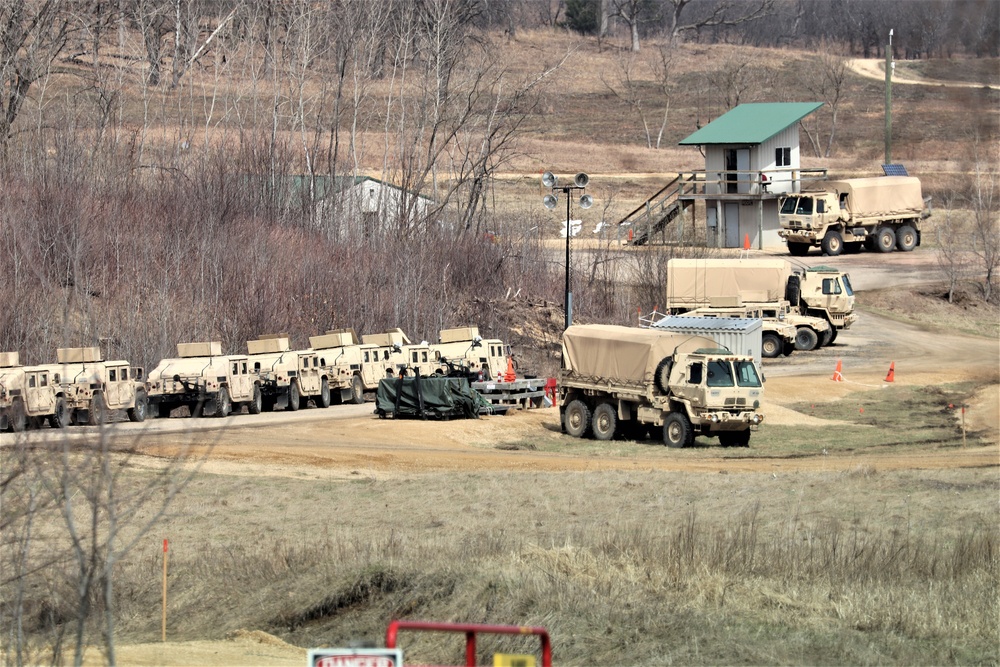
x: 847, y: 284
x: 720, y: 374
x: 788, y: 207
x: 746, y: 374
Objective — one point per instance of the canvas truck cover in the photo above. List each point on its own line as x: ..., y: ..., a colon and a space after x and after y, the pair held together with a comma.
x: 435, y: 397
x: 623, y: 355
x: 880, y: 196
x: 696, y: 282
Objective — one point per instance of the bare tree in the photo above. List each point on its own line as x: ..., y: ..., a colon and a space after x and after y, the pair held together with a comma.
x: 826, y: 79
x: 739, y: 78
x: 627, y: 84
x: 723, y: 13
x: 952, y: 238
x: 983, y: 198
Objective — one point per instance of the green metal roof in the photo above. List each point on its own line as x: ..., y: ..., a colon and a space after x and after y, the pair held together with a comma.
x: 751, y: 123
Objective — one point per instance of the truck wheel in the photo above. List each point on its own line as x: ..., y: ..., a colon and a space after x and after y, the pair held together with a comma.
x: 677, y: 430
x: 605, y: 421
x: 770, y: 345
x: 827, y: 337
x: 60, y: 414
x: 906, y: 238
x: 793, y: 290
x: 223, y: 403
x: 357, y: 390
x: 577, y: 418
x: 833, y: 336
x: 293, y: 396
x: 256, y: 403
x: 324, y: 395
x: 137, y: 413
x: 17, y: 416
x: 735, y: 438
x: 806, y: 339
x: 833, y: 243
x: 97, y: 410
x: 798, y: 249
x: 787, y: 347
x: 662, y: 374
x: 885, y: 239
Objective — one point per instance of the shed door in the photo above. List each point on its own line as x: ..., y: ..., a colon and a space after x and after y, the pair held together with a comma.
x: 732, y: 223
x: 743, y: 168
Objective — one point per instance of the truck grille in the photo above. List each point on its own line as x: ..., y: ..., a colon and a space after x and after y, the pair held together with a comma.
x: 735, y: 401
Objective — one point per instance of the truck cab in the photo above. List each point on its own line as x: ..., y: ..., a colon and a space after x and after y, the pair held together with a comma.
x: 826, y: 292
x: 205, y: 380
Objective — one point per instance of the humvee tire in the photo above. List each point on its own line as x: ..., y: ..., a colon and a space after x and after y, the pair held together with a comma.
x: 60, y: 414
x: 770, y: 345
x: 293, y: 396
x: 605, y: 421
x: 324, y: 395
x: 96, y: 413
x: 357, y: 390
x: 137, y: 413
x: 223, y: 403
x: 256, y: 403
x: 577, y: 418
x: 827, y: 337
x: 17, y: 416
x: 677, y: 431
x: 806, y: 339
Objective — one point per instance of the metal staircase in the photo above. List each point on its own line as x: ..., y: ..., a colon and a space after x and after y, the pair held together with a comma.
x: 653, y: 216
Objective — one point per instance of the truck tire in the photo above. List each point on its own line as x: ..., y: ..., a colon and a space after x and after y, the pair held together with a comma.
x: 357, y: 390
x: 294, y: 399
x: 827, y: 337
x: 677, y: 431
x: 17, y: 416
x: 577, y: 418
x: 906, y: 238
x: 60, y: 414
x: 832, y: 244
x: 787, y: 347
x: 793, y: 291
x: 885, y: 239
x: 164, y: 409
x: 798, y: 249
x: 662, y: 375
x: 833, y: 336
x: 735, y: 438
x: 806, y: 339
x: 137, y: 413
x: 96, y: 413
x: 223, y: 403
x: 605, y: 421
x: 770, y: 345
x: 324, y: 394
x: 256, y: 404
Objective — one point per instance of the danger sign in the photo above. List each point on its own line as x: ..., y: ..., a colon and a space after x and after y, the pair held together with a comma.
x: 355, y: 657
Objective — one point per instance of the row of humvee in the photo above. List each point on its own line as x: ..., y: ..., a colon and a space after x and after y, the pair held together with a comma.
x: 84, y: 388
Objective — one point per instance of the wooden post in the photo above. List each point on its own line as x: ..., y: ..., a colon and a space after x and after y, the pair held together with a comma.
x: 963, y: 426
x: 164, y: 623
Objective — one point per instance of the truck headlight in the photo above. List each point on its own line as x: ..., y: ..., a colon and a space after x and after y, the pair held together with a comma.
x: 756, y: 419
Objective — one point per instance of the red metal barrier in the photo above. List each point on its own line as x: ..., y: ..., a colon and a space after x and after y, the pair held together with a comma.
x: 551, y: 389
x: 470, y: 630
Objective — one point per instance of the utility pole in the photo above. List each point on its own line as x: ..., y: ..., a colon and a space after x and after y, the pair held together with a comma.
x: 889, y: 66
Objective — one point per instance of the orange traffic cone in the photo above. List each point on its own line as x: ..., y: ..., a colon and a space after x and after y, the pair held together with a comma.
x: 510, y: 375
x: 891, y: 377
x: 837, y: 376
x: 746, y: 241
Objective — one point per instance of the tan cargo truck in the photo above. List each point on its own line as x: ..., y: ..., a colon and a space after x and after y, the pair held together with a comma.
x: 699, y: 286
x: 29, y: 395
x: 205, y: 380
x: 288, y: 378
x: 467, y: 353
x: 624, y: 381
x: 97, y: 389
x: 341, y: 354
x: 881, y: 213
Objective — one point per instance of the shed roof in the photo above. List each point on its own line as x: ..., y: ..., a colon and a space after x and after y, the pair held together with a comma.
x: 751, y: 123
x: 681, y: 323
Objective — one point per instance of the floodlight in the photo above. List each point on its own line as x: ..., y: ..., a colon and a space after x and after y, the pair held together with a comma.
x: 586, y: 201
x: 581, y: 180
x: 549, y: 201
x: 549, y: 179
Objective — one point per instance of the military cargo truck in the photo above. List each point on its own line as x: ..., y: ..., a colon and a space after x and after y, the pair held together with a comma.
x: 205, y: 380
x: 467, y: 353
x: 624, y: 381
x: 881, y: 213
x: 341, y: 354
x: 96, y: 389
x: 288, y: 378
x: 757, y: 288
x: 29, y: 395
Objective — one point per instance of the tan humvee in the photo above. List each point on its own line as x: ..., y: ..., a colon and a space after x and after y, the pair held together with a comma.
x: 392, y: 352
x: 288, y: 378
x: 97, y: 389
x: 465, y: 352
x: 28, y: 395
x: 340, y: 354
x: 205, y: 380
x: 622, y: 381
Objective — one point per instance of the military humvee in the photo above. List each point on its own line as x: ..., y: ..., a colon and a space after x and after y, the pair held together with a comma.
x: 288, y: 378
x: 205, y: 380
x: 340, y: 354
x: 467, y: 353
x: 97, y: 389
x: 28, y: 395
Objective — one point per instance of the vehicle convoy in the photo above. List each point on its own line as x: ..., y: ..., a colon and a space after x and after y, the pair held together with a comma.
x: 289, y: 378
x: 205, y: 380
x: 748, y: 289
x: 881, y: 213
x: 28, y: 395
x: 624, y: 381
x: 96, y: 389
x: 467, y: 353
x: 392, y: 352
